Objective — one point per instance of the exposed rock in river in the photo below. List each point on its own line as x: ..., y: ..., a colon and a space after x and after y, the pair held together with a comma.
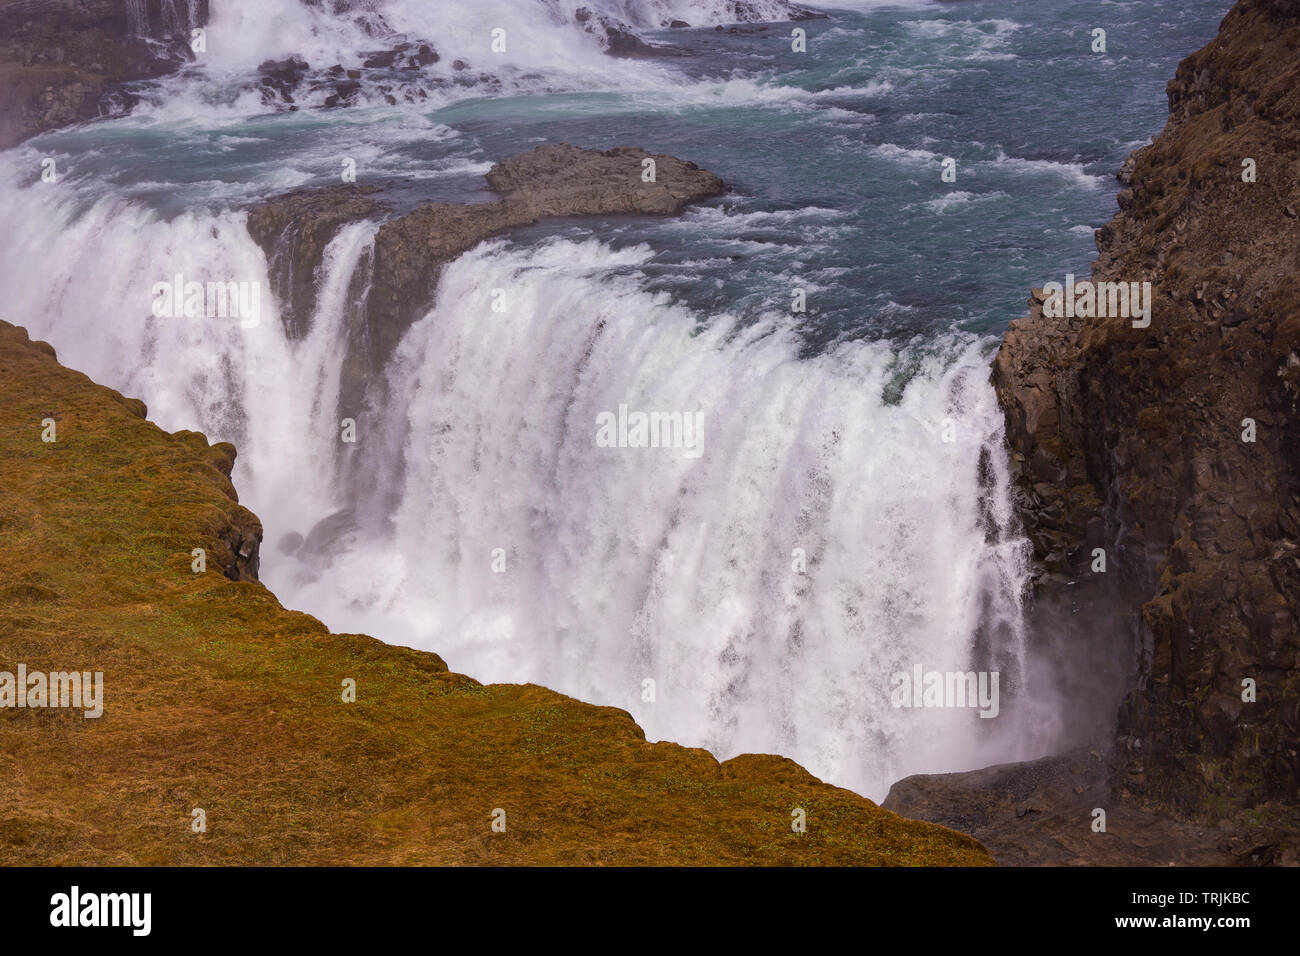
x: 550, y: 181
x: 294, y: 230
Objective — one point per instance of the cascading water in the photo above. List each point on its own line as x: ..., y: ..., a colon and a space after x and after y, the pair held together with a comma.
x: 822, y: 542
x: 848, y: 515
x: 175, y: 18
x: 620, y: 565
x: 137, y: 18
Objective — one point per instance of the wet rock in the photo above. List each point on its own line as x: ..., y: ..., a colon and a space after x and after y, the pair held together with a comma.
x: 332, y: 535
x: 344, y: 94
x: 290, y: 70
x: 65, y: 61
x: 293, y: 230
x: 618, y: 38
x: 281, y: 78
x: 550, y: 181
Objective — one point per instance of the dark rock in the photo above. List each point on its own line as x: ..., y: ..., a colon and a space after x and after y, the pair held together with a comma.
x: 329, y: 536
x: 344, y: 94
x: 618, y: 38
x: 67, y: 61
x: 280, y: 78
x: 1041, y: 813
x: 292, y: 68
x: 1140, y: 429
x: 293, y: 230
x: 550, y: 181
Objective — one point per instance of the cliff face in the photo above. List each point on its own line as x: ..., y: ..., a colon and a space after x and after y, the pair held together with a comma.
x: 218, y: 699
x: 65, y: 61
x: 1177, y: 447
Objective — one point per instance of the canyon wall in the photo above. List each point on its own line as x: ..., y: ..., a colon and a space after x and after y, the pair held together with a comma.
x: 1176, y: 447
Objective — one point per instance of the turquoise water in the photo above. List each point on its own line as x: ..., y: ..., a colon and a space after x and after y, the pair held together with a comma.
x: 834, y: 156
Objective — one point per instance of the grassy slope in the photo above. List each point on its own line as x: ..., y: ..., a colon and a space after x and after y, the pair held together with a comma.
x: 217, y: 697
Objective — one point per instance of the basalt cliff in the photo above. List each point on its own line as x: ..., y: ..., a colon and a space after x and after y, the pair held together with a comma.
x: 1173, y: 451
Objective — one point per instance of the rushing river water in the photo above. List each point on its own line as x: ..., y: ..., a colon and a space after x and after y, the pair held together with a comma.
x: 848, y: 516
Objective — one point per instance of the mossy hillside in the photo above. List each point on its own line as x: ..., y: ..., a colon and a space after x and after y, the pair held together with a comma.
x: 216, y: 697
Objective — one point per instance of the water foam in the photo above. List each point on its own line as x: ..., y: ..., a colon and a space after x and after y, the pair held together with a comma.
x: 621, y: 565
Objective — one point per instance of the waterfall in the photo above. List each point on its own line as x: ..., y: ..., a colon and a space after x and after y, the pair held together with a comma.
x: 845, y: 516
x: 826, y: 538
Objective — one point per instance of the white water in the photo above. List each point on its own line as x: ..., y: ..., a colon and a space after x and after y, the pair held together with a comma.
x: 537, y: 34
x: 621, y: 564
x: 546, y: 50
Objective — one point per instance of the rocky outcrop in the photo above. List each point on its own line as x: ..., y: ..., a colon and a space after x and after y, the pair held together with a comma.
x: 1045, y: 813
x: 1176, y: 447
x: 616, y: 37
x: 216, y: 697
x: 294, y: 230
x: 65, y: 61
x: 550, y: 181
